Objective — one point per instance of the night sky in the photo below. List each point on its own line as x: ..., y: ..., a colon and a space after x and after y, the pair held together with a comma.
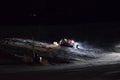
x: 52, y: 20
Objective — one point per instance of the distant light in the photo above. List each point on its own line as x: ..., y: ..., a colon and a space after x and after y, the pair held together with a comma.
x: 40, y: 59
x: 34, y: 15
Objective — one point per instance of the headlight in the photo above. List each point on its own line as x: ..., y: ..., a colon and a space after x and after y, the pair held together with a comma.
x: 73, y: 41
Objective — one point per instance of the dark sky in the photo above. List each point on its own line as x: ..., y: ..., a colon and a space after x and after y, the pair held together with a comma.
x: 80, y: 19
x: 47, y: 11
x: 49, y: 8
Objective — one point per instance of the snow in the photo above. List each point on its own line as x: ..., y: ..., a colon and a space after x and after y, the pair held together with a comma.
x: 83, y: 57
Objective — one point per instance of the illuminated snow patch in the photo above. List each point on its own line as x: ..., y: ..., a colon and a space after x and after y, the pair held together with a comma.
x: 110, y: 57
